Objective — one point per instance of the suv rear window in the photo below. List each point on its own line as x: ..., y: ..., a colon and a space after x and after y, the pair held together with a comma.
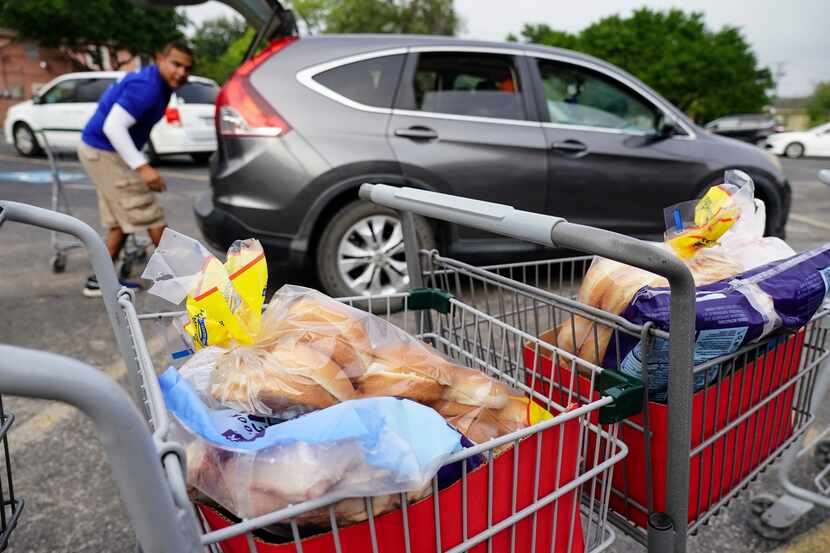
x: 371, y: 82
x: 463, y: 83
x: 195, y: 92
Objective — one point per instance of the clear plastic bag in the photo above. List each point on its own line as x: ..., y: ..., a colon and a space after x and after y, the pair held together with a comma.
x: 312, y: 352
x: 718, y: 237
x: 366, y: 447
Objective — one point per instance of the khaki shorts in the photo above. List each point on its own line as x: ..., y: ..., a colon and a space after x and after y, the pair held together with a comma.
x: 123, y: 199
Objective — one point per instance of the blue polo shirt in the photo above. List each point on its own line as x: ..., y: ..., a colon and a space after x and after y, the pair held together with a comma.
x: 143, y: 94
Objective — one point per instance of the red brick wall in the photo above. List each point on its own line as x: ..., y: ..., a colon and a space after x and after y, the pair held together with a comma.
x: 24, y: 67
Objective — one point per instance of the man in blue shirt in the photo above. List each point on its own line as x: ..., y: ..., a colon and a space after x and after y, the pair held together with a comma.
x: 111, y: 145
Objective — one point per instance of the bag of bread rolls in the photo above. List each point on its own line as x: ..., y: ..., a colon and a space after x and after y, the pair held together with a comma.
x: 374, y: 446
x: 718, y: 237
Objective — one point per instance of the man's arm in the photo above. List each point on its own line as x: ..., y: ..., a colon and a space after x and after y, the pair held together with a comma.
x: 116, y: 128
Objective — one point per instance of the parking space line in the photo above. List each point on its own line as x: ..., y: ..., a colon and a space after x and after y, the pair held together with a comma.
x: 809, y: 221
x: 164, y: 172
x: 815, y: 539
x: 35, y: 429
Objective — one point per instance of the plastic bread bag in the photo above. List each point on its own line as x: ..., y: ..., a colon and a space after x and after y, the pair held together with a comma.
x: 367, y: 447
x: 329, y: 326
x: 482, y: 424
x: 223, y: 301
x: 728, y: 217
x: 284, y: 381
x: 730, y: 314
x: 380, y: 358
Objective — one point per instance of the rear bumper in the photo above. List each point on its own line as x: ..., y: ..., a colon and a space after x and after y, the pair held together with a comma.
x: 220, y: 228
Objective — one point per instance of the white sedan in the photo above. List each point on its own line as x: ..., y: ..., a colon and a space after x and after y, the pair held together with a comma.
x: 64, y: 106
x: 812, y: 142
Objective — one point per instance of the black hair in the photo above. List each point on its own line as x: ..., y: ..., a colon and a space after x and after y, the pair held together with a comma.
x: 179, y: 45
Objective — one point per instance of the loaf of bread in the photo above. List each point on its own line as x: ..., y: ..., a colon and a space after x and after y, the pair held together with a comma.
x: 411, y: 370
x: 481, y: 424
x: 289, y: 377
x: 329, y: 327
x: 610, y: 286
x: 470, y: 387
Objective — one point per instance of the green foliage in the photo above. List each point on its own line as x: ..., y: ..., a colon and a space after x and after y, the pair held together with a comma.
x: 818, y: 106
x: 211, y: 44
x: 707, y: 74
x: 93, y: 26
x: 436, y: 17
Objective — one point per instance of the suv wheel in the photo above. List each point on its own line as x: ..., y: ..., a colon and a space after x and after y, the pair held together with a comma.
x: 794, y: 150
x: 361, y: 251
x: 24, y: 140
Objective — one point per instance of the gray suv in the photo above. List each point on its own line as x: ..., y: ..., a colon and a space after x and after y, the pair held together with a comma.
x: 305, y: 122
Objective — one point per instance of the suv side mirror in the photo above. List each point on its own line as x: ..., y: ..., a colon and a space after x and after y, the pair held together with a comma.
x: 666, y: 126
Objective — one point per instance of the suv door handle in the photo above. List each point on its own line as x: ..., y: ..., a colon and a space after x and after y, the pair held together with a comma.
x: 418, y: 133
x: 572, y: 147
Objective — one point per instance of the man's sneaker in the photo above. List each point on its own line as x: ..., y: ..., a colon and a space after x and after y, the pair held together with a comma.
x: 92, y: 290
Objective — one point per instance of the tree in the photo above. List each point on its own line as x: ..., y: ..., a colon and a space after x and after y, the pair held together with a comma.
x: 437, y: 17
x: 211, y: 42
x: 706, y: 74
x: 818, y: 106
x: 98, y: 28
x: 232, y: 57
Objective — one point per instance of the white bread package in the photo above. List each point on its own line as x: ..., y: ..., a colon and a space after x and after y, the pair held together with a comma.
x: 366, y: 447
x: 746, y: 286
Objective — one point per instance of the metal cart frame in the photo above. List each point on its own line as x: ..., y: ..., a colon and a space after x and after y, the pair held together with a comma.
x: 156, y: 493
x: 666, y: 531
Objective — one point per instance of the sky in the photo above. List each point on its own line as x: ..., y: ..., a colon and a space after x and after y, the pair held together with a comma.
x: 792, y: 36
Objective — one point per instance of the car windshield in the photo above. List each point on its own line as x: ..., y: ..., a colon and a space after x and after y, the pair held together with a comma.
x: 198, y: 92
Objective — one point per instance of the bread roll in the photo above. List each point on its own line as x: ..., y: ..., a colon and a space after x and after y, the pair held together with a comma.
x: 278, y: 477
x: 473, y: 387
x: 327, y: 326
x: 409, y: 370
x: 268, y: 382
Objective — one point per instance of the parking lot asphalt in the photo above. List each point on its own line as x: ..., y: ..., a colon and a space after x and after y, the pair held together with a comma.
x: 59, y: 467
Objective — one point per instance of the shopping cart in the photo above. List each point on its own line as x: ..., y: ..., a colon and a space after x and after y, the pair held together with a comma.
x: 689, y: 457
x: 135, y: 248
x: 544, y: 488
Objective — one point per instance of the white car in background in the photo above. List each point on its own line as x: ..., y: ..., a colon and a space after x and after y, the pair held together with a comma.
x: 63, y: 107
x: 812, y: 142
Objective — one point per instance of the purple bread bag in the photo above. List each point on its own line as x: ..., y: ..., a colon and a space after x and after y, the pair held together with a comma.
x: 729, y: 314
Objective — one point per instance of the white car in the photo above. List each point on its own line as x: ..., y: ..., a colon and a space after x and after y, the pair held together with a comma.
x: 63, y: 107
x: 812, y: 142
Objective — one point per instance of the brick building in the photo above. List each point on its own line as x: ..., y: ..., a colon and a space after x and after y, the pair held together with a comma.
x: 25, y: 67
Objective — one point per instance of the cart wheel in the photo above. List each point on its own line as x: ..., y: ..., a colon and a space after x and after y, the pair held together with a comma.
x: 822, y: 454
x: 126, y: 268
x: 58, y: 263
x: 759, y: 505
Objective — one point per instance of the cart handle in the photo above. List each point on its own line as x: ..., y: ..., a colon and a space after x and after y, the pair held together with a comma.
x: 557, y: 232
x: 159, y: 526
x: 99, y: 257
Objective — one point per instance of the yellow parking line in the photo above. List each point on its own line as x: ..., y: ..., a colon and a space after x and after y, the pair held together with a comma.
x: 36, y: 428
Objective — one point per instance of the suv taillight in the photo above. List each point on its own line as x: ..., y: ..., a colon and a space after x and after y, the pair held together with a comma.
x: 240, y: 110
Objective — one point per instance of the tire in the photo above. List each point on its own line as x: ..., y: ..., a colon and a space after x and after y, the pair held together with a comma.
x: 794, y: 150
x: 340, y: 268
x: 201, y: 158
x: 24, y: 140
